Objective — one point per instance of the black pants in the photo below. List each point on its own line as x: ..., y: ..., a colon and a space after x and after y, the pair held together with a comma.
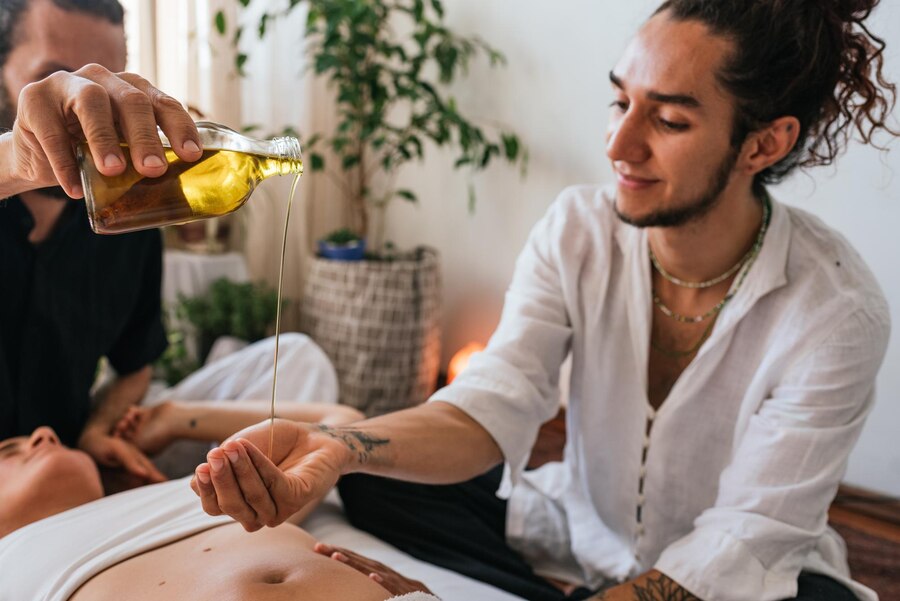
x: 462, y: 527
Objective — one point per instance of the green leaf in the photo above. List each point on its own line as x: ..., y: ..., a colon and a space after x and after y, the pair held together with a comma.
x: 250, y: 128
x: 438, y: 7
x: 326, y: 61
x: 237, y: 36
x: 407, y: 195
x: 316, y: 162
x: 220, y: 22
x: 510, y: 146
x: 415, y: 141
x: 263, y: 20
x: 342, y: 236
x: 312, y: 17
x: 486, y: 156
x: 350, y: 161
x: 239, y: 61
x: 244, y: 3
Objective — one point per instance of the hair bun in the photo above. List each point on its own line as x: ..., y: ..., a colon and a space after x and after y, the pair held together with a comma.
x: 851, y: 10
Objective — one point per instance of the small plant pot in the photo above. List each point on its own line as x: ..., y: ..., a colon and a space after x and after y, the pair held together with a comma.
x: 352, y: 251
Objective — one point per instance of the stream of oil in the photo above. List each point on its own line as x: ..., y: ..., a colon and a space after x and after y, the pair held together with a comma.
x: 287, y: 221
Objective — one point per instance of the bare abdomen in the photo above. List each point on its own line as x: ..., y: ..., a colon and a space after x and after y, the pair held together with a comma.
x: 229, y: 564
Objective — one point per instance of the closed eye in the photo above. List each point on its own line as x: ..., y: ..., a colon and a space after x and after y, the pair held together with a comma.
x: 11, y: 447
x: 672, y: 126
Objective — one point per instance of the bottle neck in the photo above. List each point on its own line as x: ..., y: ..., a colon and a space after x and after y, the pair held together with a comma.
x: 287, y: 149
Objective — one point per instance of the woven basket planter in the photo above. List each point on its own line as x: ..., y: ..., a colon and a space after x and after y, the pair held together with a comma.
x: 379, y: 323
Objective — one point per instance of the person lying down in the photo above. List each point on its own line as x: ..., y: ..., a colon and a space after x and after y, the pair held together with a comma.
x: 62, y: 540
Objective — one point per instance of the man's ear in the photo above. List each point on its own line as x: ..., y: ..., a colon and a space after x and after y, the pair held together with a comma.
x: 768, y: 145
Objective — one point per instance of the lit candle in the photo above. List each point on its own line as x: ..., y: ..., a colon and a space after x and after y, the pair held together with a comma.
x: 461, y: 359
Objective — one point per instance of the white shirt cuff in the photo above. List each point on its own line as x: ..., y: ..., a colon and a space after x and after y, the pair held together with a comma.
x: 712, y: 564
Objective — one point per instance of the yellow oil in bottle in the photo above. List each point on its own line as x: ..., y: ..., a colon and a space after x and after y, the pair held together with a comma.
x: 216, y: 184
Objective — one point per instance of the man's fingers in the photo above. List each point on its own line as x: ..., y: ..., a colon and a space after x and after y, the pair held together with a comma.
x: 153, y: 474
x: 288, y: 500
x: 49, y: 137
x: 228, y: 491
x: 137, y: 463
x: 324, y: 549
x: 254, y: 490
x: 203, y: 486
x: 361, y: 562
x: 136, y: 118
x: 175, y: 122
x: 358, y: 562
x: 126, y: 425
x: 89, y: 102
x: 133, y: 465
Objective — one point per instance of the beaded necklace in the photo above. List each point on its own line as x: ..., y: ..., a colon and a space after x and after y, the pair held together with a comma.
x: 743, y: 265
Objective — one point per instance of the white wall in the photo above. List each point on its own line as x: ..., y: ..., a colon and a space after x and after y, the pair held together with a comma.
x: 555, y: 93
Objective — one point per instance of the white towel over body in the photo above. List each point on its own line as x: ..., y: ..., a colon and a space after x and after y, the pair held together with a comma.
x: 50, y: 559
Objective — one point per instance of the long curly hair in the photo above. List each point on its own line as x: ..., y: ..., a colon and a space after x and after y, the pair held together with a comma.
x: 815, y: 60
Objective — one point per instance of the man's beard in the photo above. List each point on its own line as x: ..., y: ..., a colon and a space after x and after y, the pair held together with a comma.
x: 7, y: 119
x: 691, y: 211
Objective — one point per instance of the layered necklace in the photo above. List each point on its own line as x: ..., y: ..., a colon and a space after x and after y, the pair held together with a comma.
x: 742, y: 266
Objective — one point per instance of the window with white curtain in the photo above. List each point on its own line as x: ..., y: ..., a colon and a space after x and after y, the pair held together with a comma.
x: 172, y: 44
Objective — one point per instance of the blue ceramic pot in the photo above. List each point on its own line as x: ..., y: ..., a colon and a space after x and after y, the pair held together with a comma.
x: 354, y: 251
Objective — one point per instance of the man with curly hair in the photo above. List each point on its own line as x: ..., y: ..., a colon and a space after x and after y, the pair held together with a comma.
x: 724, y: 345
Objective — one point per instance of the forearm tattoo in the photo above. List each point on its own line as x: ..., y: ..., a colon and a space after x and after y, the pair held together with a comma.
x: 359, y: 442
x: 660, y: 588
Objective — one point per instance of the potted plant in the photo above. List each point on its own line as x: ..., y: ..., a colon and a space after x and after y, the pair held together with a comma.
x: 388, y: 63
x: 242, y: 310
x: 343, y: 245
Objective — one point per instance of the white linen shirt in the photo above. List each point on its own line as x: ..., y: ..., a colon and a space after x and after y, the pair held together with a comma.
x: 744, y: 456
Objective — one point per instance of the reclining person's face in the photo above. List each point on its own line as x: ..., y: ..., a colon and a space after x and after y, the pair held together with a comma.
x: 40, y: 477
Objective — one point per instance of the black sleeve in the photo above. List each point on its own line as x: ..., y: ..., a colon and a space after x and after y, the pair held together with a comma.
x: 143, y: 339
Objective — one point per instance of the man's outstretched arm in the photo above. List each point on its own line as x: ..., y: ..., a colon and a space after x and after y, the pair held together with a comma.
x: 650, y: 586
x: 435, y: 443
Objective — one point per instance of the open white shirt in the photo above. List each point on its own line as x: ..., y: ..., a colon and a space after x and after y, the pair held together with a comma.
x: 745, y: 454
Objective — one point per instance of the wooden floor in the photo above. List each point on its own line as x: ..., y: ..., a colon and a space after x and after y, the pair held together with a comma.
x: 867, y: 512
